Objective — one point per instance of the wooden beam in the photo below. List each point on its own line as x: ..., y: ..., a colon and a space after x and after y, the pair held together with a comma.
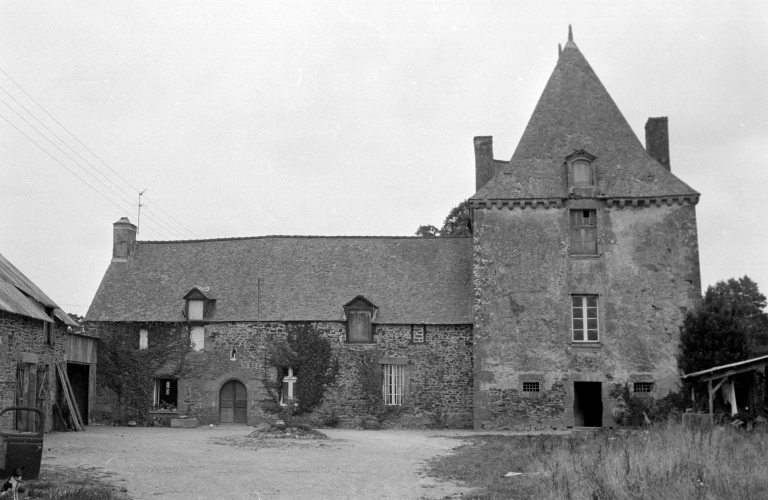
x: 711, y: 392
x: 734, y: 371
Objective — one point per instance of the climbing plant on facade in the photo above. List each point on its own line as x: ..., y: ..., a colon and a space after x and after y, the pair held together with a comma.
x: 311, y: 358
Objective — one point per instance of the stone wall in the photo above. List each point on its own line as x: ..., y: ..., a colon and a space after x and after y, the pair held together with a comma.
x: 439, y: 369
x: 22, y: 341
x: 646, y: 275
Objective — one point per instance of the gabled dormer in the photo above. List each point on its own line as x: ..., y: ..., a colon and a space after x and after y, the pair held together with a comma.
x: 360, y: 314
x: 199, y: 304
x: 581, y: 174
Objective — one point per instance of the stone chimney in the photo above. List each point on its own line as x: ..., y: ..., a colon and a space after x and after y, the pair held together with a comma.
x: 123, y: 240
x: 657, y: 140
x: 484, y: 168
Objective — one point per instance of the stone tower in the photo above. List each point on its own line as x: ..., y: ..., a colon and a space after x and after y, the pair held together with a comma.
x: 585, y: 261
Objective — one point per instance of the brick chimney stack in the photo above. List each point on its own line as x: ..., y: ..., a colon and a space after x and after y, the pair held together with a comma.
x: 123, y: 240
x: 484, y: 168
x: 657, y: 140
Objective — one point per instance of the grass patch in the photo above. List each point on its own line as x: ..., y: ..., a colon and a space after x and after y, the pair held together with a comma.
x: 664, y: 463
x: 70, y: 484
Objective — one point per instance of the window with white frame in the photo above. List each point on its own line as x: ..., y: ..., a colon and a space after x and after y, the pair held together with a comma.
x: 197, y: 337
x: 530, y: 387
x: 394, y: 381
x: 195, y: 308
x: 642, y: 387
x: 143, y: 338
x: 584, y: 318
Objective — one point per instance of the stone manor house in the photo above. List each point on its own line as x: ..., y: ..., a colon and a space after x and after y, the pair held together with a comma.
x: 582, y: 263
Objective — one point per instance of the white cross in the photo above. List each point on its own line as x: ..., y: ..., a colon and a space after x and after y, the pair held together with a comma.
x: 288, y: 385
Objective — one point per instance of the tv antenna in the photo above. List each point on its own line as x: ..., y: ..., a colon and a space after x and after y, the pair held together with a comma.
x: 138, y: 219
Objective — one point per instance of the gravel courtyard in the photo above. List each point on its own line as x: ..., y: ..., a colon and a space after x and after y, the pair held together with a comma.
x: 221, y: 462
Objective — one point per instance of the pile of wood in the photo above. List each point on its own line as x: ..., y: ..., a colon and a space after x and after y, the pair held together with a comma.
x: 75, y: 421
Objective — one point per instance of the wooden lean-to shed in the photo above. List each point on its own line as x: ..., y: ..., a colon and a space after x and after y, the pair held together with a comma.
x: 722, y: 378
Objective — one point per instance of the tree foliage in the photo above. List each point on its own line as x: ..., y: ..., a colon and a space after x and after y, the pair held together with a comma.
x: 456, y: 223
x: 728, y: 326
x: 311, y: 356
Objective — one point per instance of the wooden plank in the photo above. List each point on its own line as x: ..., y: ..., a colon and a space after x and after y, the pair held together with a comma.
x: 76, y: 413
x: 69, y: 396
x: 735, y: 371
x: 711, y: 415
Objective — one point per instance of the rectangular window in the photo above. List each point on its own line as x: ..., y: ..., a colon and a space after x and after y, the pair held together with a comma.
x: 166, y: 391
x: 197, y: 337
x: 584, y: 326
x: 143, y: 338
x: 394, y: 378
x: 359, y: 326
x: 643, y: 386
x: 530, y: 387
x: 583, y: 232
x: 582, y: 174
x: 418, y: 333
x: 48, y: 333
x: 195, y: 310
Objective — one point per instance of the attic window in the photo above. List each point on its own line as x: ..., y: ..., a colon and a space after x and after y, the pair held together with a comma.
x: 581, y: 174
x: 199, y: 304
x: 360, y: 314
x: 48, y: 334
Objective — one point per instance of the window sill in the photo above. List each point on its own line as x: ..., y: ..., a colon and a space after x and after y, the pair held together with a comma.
x: 586, y: 346
x: 585, y: 256
x: 360, y: 342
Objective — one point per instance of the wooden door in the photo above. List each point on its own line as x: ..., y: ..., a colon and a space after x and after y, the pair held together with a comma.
x: 233, y: 403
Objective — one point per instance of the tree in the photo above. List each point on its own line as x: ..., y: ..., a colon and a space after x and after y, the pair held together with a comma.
x: 457, y: 223
x: 728, y: 326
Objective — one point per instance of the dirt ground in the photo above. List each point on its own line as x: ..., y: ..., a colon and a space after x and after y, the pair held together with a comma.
x: 223, y: 463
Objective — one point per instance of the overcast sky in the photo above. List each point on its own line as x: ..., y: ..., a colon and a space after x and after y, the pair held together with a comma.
x: 346, y: 118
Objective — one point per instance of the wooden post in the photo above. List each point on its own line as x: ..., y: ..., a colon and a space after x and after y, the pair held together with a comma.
x: 711, y: 403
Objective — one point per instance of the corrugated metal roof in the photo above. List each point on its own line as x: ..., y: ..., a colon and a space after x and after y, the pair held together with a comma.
x: 20, y: 296
x: 411, y: 280
x: 12, y: 300
x: 725, y: 367
x: 576, y: 112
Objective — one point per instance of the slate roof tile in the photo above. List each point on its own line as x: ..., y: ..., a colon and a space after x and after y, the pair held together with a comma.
x: 410, y: 280
x: 576, y: 112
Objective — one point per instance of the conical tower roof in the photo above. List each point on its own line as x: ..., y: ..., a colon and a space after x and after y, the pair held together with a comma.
x: 576, y: 112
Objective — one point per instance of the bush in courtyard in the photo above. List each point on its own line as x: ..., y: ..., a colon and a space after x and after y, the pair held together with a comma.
x: 311, y: 357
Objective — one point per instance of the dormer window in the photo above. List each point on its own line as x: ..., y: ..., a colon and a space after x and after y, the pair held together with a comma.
x: 360, y: 314
x: 581, y: 174
x: 199, y: 304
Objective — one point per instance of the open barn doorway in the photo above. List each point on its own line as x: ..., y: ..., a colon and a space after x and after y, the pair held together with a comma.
x: 587, y: 404
x: 79, y: 378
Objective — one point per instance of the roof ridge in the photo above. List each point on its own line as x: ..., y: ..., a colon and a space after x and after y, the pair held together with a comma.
x: 290, y: 236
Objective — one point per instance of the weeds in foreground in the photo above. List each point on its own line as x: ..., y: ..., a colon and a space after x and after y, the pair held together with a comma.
x: 665, y: 462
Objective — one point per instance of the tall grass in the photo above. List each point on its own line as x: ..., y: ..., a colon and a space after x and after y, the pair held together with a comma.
x: 665, y: 462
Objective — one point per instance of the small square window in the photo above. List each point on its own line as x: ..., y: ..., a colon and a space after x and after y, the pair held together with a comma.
x: 642, y: 387
x: 584, y: 318
x: 530, y: 387
x: 418, y: 334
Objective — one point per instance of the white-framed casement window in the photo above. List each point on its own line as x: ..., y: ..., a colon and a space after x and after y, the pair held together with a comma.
x: 584, y: 326
x: 197, y: 337
x: 394, y: 381
x: 143, y: 338
x: 289, y: 387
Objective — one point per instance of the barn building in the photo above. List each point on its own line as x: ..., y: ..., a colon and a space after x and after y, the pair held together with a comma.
x: 582, y: 262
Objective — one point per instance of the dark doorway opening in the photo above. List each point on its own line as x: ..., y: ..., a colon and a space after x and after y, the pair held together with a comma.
x: 587, y: 404
x: 233, y: 403
x: 78, y: 375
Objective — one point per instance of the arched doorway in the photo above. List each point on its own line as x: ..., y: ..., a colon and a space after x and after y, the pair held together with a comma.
x: 233, y: 403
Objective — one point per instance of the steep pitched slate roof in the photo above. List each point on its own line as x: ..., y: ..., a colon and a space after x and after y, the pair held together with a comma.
x: 19, y: 295
x: 410, y: 280
x: 575, y: 112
